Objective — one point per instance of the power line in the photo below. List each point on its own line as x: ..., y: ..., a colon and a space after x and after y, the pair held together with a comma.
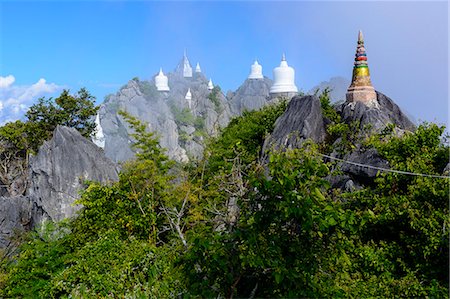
x: 386, y: 169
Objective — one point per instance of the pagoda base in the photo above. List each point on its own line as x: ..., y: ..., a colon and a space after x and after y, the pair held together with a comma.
x: 364, y: 94
x: 279, y: 95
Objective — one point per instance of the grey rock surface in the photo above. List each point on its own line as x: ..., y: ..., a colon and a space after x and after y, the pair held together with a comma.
x: 378, y: 117
x: 58, y: 172
x: 15, y: 216
x: 253, y: 94
x: 179, y: 123
x: 447, y: 169
x: 302, y: 120
x: 366, y: 157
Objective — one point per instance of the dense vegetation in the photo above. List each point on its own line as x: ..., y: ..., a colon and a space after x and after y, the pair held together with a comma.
x: 19, y: 139
x: 230, y: 226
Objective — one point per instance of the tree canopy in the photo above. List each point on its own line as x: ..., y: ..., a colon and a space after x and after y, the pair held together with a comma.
x: 233, y: 226
x: 21, y: 138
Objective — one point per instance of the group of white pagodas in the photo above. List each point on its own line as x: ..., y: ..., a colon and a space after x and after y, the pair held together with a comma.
x: 283, y: 78
x: 162, y: 82
x: 360, y: 89
x: 283, y: 83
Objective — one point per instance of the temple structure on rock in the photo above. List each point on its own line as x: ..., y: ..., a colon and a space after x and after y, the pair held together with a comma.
x: 187, y: 69
x: 283, y: 80
x: 210, y: 85
x: 361, y: 89
x: 197, y: 68
x: 256, y: 71
x: 161, y: 81
x: 188, y: 97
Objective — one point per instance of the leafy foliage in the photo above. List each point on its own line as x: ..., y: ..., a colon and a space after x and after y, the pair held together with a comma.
x: 232, y: 227
x: 214, y: 97
x: 19, y: 139
x: 244, y: 137
x: 74, y: 111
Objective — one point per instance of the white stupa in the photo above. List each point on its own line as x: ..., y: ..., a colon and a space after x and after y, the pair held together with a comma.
x: 187, y: 69
x: 188, y: 97
x: 283, y: 79
x: 99, y: 137
x: 256, y: 71
x: 162, y: 82
x: 210, y: 85
x: 197, y: 68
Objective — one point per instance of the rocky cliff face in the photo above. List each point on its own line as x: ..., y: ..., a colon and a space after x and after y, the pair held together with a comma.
x: 56, y: 174
x: 15, y: 215
x: 181, y: 124
x: 376, y: 118
x: 302, y: 120
x: 253, y: 94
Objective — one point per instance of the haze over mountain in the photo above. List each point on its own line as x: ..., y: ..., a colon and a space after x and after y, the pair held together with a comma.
x: 182, y: 123
x: 102, y: 54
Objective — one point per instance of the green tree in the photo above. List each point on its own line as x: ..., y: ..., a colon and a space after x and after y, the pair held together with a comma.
x: 14, y: 148
x: 75, y: 111
x: 243, y: 137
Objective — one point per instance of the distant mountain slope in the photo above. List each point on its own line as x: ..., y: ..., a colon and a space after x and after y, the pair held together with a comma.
x: 338, y: 86
x: 251, y: 95
x: 181, y: 124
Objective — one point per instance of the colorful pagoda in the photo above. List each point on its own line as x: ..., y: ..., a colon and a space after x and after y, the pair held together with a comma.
x: 361, y: 89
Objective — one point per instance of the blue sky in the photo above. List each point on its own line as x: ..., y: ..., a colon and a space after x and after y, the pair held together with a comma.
x: 49, y: 45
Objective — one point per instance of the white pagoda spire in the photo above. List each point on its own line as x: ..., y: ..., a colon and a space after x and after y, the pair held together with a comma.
x: 283, y: 78
x: 187, y: 69
x: 256, y: 71
x: 162, y: 82
x: 99, y: 138
x: 210, y: 84
x: 188, y: 97
x: 197, y: 68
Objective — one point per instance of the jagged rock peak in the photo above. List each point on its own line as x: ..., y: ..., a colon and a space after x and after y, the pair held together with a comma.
x: 251, y: 95
x: 57, y: 174
x: 378, y: 116
x: 302, y: 120
x: 59, y: 170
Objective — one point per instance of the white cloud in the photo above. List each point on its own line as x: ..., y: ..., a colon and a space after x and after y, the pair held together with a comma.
x: 7, y: 81
x: 15, y: 99
x: 39, y: 88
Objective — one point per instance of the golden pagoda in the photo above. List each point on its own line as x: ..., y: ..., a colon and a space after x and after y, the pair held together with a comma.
x: 361, y: 89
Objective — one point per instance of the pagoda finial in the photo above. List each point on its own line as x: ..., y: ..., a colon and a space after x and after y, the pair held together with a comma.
x: 283, y: 58
x: 361, y: 89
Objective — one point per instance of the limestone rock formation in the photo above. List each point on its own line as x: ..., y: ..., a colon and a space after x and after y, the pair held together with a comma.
x: 253, y: 94
x: 376, y: 117
x: 180, y: 122
x: 302, y: 120
x: 372, y: 119
x: 15, y: 216
x: 58, y: 172
x: 365, y: 157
